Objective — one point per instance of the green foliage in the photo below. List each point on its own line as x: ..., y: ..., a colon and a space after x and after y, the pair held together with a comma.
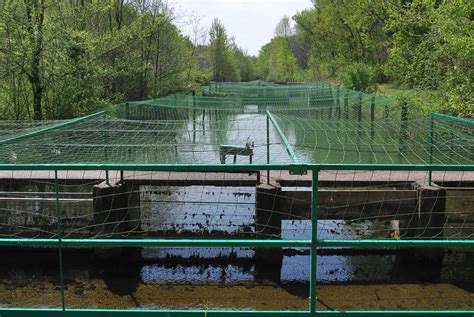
x: 343, y: 32
x: 419, y: 103
x: 228, y: 61
x: 89, y: 54
x: 276, y: 61
x: 433, y: 48
x: 360, y: 77
x: 61, y: 59
x: 222, y: 67
x: 421, y: 45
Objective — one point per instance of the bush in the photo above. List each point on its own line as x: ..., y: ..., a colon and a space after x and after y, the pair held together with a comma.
x: 360, y: 77
x: 418, y: 103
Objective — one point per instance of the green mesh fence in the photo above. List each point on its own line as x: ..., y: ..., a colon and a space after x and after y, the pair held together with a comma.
x: 309, y: 170
x: 184, y: 129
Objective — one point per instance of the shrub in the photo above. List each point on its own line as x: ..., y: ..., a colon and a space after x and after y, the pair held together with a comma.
x: 360, y: 77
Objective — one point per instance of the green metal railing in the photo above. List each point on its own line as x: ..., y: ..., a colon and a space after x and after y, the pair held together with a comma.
x: 314, y: 243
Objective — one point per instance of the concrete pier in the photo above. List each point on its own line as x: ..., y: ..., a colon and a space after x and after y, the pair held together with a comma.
x: 268, y: 216
x: 431, y: 221
x: 115, y: 209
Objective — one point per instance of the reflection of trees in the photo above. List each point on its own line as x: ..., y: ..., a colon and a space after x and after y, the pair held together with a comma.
x: 221, y: 128
x: 329, y: 140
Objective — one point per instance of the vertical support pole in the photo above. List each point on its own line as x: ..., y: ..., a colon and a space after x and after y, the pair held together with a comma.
x: 314, y: 239
x: 203, y: 122
x: 403, y: 127
x: 346, y: 106
x: 430, y: 172
x: 309, y: 99
x: 126, y: 111
x: 194, y: 124
x: 268, y: 148
x: 331, y: 103
x: 106, y: 152
x: 372, y: 119
x: 359, y: 108
x: 59, y: 234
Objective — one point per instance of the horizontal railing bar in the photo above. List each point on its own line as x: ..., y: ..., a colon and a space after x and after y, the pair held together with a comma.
x: 43, y: 194
x: 235, y: 167
x: 397, y: 243
x: 153, y: 243
x: 234, y: 243
x: 51, y: 199
x: 48, y: 312
x: 445, y: 117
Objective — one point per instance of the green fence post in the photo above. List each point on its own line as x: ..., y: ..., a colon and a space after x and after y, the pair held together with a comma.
x: 106, y: 152
x: 346, y: 105
x: 430, y: 173
x: 314, y: 237
x: 308, y: 93
x: 268, y: 148
x: 194, y: 118
x: 330, y: 114
x: 403, y: 128
x: 372, y: 119
x: 59, y: 233
x: 203, y: 122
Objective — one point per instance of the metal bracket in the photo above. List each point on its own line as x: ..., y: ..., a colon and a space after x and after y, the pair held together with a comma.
x: 298, y: 169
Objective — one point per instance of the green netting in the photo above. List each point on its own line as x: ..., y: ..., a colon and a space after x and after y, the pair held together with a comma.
x: 323, y: 140
x: 313, y: 123
x: 268, y: 90
x: 180, y: 136
x: 11, y: 128
x: 259, y: 123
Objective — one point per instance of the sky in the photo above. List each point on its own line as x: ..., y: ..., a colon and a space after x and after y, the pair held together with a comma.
x: 251, y: 22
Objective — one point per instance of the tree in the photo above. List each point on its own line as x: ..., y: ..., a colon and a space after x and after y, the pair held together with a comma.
x: 34, y: 25
x: 432, y: 49
x: 222, y: 68
x: 341, y: 33
x: 62, y: 59
x: 417, y: 44
x: 276, y: 60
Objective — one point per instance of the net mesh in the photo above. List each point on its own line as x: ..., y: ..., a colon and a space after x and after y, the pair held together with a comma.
x: 352, y: 205
x: 184, y: 129
x: 10, y: 128
x: 253, y: 123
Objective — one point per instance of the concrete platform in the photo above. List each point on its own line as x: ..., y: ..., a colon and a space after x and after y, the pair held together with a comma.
x: 282, y: 178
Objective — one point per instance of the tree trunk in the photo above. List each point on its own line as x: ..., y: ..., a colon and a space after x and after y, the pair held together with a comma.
x: 35, y: 15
